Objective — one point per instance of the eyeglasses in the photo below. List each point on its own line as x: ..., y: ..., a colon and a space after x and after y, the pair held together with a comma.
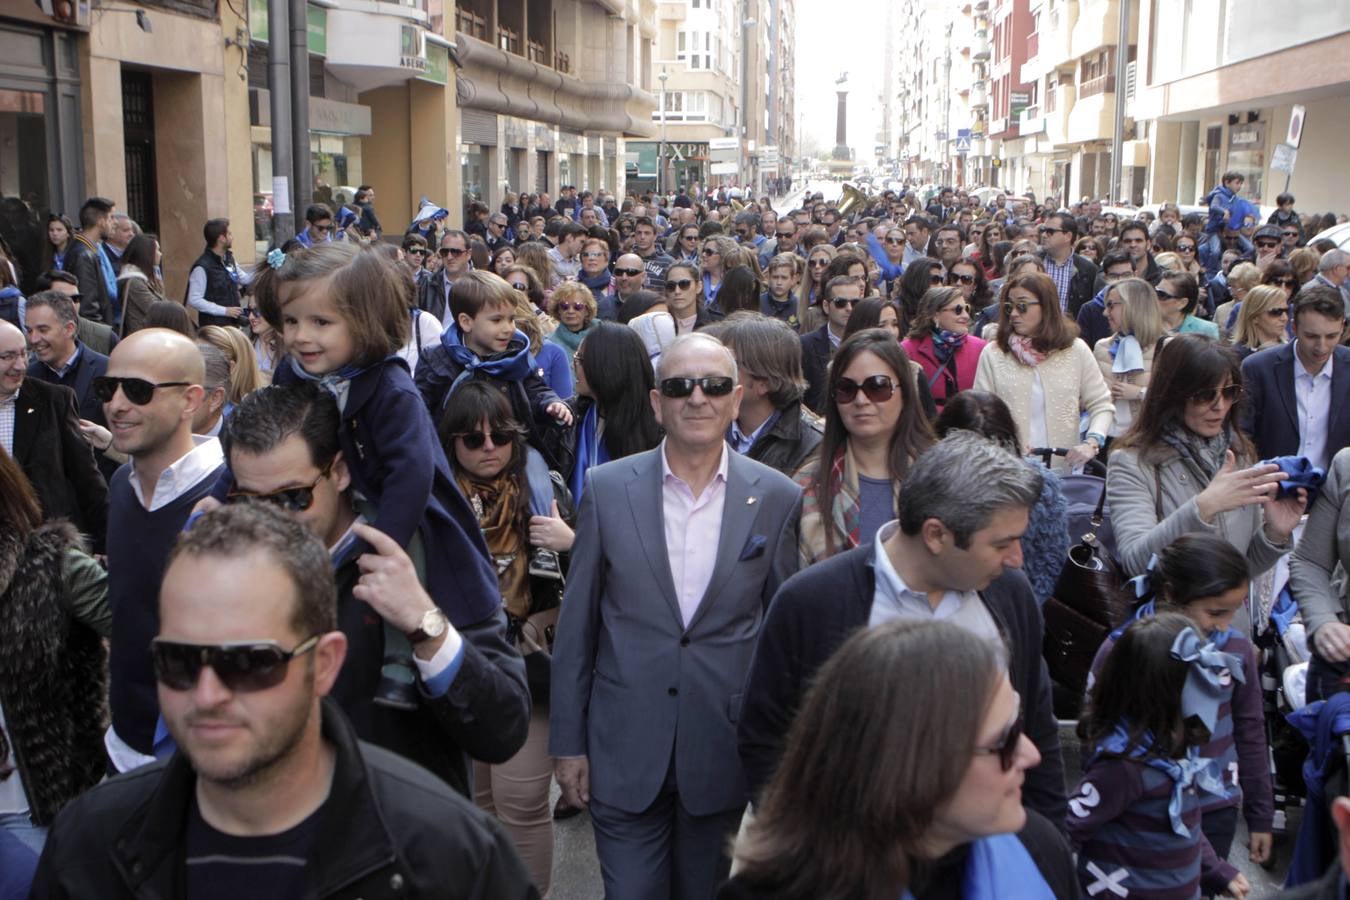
x: 453, y: 251
x: 1267, y: 245
x: 895, y: 241
x: 417, y: 251
x: 474, y: 440
x: 877, y: 388
x: 322, y: 229
x: 566, y: 306
x: 1185, y: 248
x: 252, y: 312
x: 708, y: 251
x: 953, y: 278
x: 630, y: 273
x: 818, y: 263
x: 785, y: 234
x: 850, y: 302
x: 1231, y: 393
x: 242, y: 667
x: 712, y: 385
x: 959, y: 309
x: 683, y: 284
x: 1289, y: 234
x: 1284, y: 281
x: 1006, y: 748
x: 594, y: 254
x: 1279, y: 313
x: 292, y: 499
x: 521, y: 286
x: 688, y: 237
x: 137, y: 390
x: 1046, y: 229
x: 935, y: 277
x: 1164, y: 295
x: 1019, y: 306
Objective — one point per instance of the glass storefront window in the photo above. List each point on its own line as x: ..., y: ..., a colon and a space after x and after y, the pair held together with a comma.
x: 25, y: 198
x: 335, y: 161
x: 472, y: 172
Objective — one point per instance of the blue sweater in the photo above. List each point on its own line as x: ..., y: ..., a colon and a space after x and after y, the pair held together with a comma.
x: 138, y: 547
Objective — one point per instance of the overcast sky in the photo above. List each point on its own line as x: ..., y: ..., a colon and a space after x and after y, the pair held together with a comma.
x: 832, y: 37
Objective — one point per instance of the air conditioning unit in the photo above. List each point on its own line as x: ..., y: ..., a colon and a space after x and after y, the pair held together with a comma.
x: 73, y: 13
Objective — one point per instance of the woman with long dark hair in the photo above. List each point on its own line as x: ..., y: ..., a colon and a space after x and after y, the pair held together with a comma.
x: 138, y: 282
x: 613, y: 416
x: 59, y: 232
x: 1044, y: 373
x: 901, y: 778
x: 54, y: 615
x: 487, y: 450
x: 875, y: 427
x: 1185, y: 466
x: 920, y: 275
x: 873, y: 312
x: 740, y: 292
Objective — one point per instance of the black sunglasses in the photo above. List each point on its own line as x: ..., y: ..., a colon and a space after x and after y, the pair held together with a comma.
x: 243, y: 667
x: 785, y: 234
x: 896, y: 241
x: 683, y: 284
x: 850, y: 302
x: 1020, y: 306
x: 1006, y: 748
x: 953, y: 278
x: 1284, y: 282
x: 474, y: 440
x: 959, y: 309
x: 629, y: 273
x: 252, y: 312
x: 137, y: 390
x: 1278, y: 313
x: 1267, y: 245
x: 877, y: 388
x: 520, y: 286
x: 713, y: 386
x: 291, y: 500
x: 708, y: 251
x: 453, y: 251
x: 935, y: 277
x: 1231, y: 393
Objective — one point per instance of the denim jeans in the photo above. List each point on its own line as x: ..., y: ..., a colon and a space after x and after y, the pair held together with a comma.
x: 540, y: 485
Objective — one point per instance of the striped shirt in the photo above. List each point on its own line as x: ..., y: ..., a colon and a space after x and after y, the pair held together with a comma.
x: 1063, y: 277
x: 7, y: 407
x: 221, y: 866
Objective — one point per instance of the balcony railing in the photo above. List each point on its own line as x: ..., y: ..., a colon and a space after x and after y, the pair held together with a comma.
x: 1103, y: 84
x: 562, y: 62
x: 508, y: 40
x: 470, y: 23
x: 536, y: 53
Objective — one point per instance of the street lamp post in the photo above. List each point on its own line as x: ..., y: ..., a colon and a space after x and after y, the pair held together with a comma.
x: 661, y: 153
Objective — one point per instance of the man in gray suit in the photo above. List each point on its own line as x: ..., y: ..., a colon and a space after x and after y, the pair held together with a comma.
x: 665, y: 596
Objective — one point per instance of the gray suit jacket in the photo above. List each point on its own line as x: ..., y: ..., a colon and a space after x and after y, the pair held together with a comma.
x: 631, y: 684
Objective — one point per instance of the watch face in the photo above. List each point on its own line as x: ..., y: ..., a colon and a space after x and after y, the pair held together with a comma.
x: 433, y: 623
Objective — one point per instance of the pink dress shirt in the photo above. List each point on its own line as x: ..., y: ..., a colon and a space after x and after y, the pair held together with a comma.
x: 693, y: 532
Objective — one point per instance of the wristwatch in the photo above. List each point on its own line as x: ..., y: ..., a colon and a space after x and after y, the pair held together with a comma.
x: 433, y: 625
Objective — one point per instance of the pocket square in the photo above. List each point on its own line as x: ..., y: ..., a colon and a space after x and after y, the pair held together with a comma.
x: 754, y: 548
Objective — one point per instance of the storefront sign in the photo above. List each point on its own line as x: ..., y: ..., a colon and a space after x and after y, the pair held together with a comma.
x: 438, y: 64
x: 316, y: 25
x: 411, y: 53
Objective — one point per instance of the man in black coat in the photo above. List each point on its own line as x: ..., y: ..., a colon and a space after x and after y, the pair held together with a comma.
x: 954, y: 554
x: 40, y: 428
x: 838, y: 298
x: 85, y: 260
x: 53, y: 327
x: 269, y: 793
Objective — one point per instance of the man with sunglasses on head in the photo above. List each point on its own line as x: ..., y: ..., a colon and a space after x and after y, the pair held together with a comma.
x: 270, y: 794
x: 954, y: 554
x: 214, y: 280
x: 1297, y: 393
x: 472, y: 700
x: 840, y: 295
x: 434, y: 296
x: 1075, y: 276
x: 40, y: 429
x: 151, y: 394
x: 662, y: 606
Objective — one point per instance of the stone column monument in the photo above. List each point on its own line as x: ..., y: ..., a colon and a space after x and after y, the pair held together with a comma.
x: 841, y: 151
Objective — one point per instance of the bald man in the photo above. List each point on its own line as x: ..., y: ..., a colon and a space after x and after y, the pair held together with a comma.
x: 40, y: 428
x: 630, y: 274
x: 150, y: 395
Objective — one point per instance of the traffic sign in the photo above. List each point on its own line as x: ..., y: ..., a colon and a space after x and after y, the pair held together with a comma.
x: 963, y: 140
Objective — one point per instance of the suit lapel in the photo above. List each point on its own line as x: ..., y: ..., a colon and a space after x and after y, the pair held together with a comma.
x: 739, y: 510
x: 1340, y: 393
x: 25, y: 423
x: 648, y: 508
x: 1284, y: 385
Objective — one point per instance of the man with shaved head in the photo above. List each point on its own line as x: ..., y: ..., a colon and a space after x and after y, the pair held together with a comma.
x: 150, y: 395
x: 630, y: 274
x: 40, y: 428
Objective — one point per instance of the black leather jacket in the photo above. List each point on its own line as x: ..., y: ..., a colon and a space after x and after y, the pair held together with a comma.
x: 793, y: 438
x: 124, y: 838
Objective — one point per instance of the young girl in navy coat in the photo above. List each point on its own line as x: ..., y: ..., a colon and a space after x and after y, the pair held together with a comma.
x: 1135, y: 816
x: 1204, y: 578
x: 342, y: 312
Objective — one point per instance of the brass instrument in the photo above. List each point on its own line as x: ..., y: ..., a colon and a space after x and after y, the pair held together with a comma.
x: 852, y: 201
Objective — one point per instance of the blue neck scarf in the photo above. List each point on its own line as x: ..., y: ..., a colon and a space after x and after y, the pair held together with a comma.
x: 590, y: 450
x: 1126, y: 354
x: 336, y: 383
x: 710, y: 292
x: 945, y: 342
x: 1192, y: 770
x: 512, y: 364
x: 599, y: 280
x: 1000, y: 866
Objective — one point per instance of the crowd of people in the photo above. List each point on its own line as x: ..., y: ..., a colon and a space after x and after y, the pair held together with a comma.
x: 736, y: 522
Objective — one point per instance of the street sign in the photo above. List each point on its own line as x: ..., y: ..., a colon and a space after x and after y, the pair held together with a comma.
x: 1297, y: 116
x: 768, y: 155
x: 1284, y: 158
x: 963, y: 141
x: 724, y: 168
x: 730, y: 143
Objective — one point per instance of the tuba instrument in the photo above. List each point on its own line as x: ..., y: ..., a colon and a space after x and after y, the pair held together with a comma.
x: 852, y: 201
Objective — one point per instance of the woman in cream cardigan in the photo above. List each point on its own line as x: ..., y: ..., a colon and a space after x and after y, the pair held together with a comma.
x: 1044, y: 373
x: 1126, y: 357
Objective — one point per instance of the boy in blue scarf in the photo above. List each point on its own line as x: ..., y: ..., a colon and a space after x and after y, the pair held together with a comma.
x: 1226, y: 213
x: 482, y: 343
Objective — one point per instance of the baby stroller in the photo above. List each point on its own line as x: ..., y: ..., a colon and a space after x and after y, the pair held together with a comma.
x: 1087, y: 601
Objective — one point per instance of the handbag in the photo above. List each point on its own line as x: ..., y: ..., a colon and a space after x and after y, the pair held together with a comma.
x: 533, y: 636
x: 1086, y: 604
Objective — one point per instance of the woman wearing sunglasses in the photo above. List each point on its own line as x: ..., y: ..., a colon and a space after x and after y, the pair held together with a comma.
x: 875, y: 427
x: 684, y: 299
x: 1126, y: 355
x: 573, y: 305
x: 54, y: 616
x: 1263, y: 320
x: 940, y: 341
x: 715, y: 258
x: 902, y: 777
x: 920, y: 275
x: 817, y: 262
x: 487, y: 452
x: 1044, y: 373
x: 1185, y: 466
